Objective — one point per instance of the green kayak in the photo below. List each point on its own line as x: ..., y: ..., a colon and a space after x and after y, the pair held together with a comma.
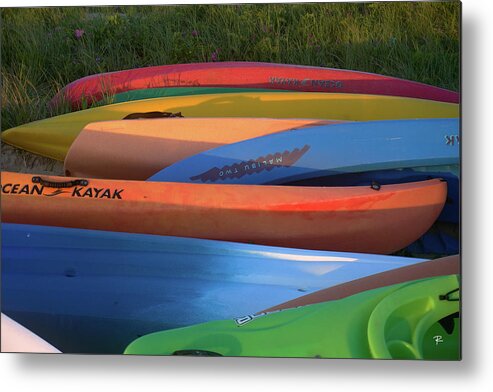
x: 134, y: 95
x: 412, y: 320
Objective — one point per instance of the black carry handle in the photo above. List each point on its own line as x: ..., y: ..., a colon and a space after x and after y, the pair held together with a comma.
x: 446, y: 297
x: 197, y: 353
x: 61, y: 184
x: 135, y: 116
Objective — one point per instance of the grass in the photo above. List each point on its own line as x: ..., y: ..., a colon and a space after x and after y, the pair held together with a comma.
x: 41, y: 52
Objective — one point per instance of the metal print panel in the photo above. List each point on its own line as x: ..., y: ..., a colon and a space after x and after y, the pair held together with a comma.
x: 252, y: 180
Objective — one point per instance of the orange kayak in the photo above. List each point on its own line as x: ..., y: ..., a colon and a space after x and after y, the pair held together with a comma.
x: 137, y: 149
x: 355, y: 219
x: 449, y: 265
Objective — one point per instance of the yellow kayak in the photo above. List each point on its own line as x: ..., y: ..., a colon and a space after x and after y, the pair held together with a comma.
x: 52, y: 137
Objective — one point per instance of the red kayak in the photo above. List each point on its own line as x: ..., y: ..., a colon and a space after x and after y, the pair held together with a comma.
x: 247, y: 74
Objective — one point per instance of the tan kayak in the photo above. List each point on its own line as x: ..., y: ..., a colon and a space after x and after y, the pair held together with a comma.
x: 18, y: 339
x: 449, y: 265
x: 137, y: 149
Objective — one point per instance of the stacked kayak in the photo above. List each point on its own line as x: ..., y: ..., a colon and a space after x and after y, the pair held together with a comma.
x: 382, y: 152
x: 138, y: 149
x: 277, y: 198
x: 448, y: 173
x: 449, y: 265
x: 322, y: 151
x: 379, y: 219
x: 312, y: 148
x: 147, y: 93
x: 247, y: 74
x: 412, y: 320
x: 96, y: 291
x: 53, y: 136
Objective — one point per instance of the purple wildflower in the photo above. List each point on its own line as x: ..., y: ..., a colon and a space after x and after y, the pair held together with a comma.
x: 79, y: 33
x: 195, y: 33
x: 311, y: 40
x: 214, y: 56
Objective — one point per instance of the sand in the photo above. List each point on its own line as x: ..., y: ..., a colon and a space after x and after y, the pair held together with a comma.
x: 20, y: 161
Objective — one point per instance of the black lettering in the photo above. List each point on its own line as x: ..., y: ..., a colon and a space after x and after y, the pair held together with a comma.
x: 269, y: 162
x: 15, y: 188
x: 37, y: 189
x: 88, y: 193
x: 116, y: 194
x: 106, y: 194
x: 98, y: 191
x: 4, y: 188
x: 76, y: 191
x: 24, y: 189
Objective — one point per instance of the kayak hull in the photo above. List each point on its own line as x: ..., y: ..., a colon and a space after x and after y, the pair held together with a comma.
x: 449, y: 173
x: 247, y: 74
x: 53, y: 136
x: 449, y: 265
x: 96, y: 291
x: 147, y: 93
x: 323, y: 151
x: 370, y: 324
x: 356, y: 219
x: 136, y: 150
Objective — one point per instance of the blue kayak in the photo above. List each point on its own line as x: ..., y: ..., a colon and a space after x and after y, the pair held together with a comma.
x: 323, y: 151
x: 93, y: 291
